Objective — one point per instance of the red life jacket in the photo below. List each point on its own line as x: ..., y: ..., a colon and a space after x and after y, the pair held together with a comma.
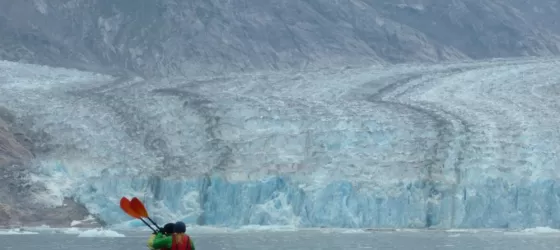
x: 184, y: 245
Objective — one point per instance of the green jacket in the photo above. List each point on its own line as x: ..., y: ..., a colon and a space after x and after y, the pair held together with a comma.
x: 151, y: 242
x: 162, y: 241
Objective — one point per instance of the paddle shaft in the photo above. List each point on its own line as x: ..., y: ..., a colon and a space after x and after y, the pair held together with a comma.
x: 148, y: 224
x: 155, y: 224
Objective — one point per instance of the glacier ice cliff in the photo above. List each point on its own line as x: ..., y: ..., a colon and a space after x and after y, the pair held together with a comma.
x: 446, y: 145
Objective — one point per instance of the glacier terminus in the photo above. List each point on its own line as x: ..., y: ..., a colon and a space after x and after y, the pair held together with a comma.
x: 454, y: 145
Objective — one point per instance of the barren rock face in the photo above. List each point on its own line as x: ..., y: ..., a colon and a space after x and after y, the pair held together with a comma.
x: 13, y: 155
x: 6, y: 214
x: 12, y: 152
x: 16, y: 205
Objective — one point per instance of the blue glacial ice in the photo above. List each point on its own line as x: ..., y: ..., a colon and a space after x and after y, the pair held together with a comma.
x: 486, y: 202
x: 444, y: 146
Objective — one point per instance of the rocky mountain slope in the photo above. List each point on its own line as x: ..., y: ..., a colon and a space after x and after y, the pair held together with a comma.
x: 17, y: 190
x: 163, y: 37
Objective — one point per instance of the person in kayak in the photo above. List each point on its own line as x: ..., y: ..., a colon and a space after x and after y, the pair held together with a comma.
x: 167, y: 230
x: 178, y: 241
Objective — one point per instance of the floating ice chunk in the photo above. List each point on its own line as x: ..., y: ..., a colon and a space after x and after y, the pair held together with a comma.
x: 271, y: 228
x: 460, y: 230
x: 42, y: 228
x: 97, y: 232
x: 195, y: 229
x: 15, y: 232
x: 353, y: 231
x: 87, y: 220
x: 541, y: 230
x: 71, y: 230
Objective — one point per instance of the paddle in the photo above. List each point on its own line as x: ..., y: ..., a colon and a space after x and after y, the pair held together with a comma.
x: 126, y: 207
x: 140, y: 209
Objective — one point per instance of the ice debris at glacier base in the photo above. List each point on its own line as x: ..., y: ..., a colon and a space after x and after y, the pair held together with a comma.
x: 96, y: 232
x: 16, y: 232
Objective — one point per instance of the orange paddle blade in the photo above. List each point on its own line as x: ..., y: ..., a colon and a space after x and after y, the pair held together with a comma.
x: 138, y: 207
x: 125, y: 206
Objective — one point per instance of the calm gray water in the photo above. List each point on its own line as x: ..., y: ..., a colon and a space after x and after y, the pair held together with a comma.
x: 298, y: 241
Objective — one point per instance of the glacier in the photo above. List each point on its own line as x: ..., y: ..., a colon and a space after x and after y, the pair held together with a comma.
x: 455, y: 145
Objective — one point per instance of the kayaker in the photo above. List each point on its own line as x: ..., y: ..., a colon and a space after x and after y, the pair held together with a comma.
x: 167, y: 230
x: 178, y: 241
